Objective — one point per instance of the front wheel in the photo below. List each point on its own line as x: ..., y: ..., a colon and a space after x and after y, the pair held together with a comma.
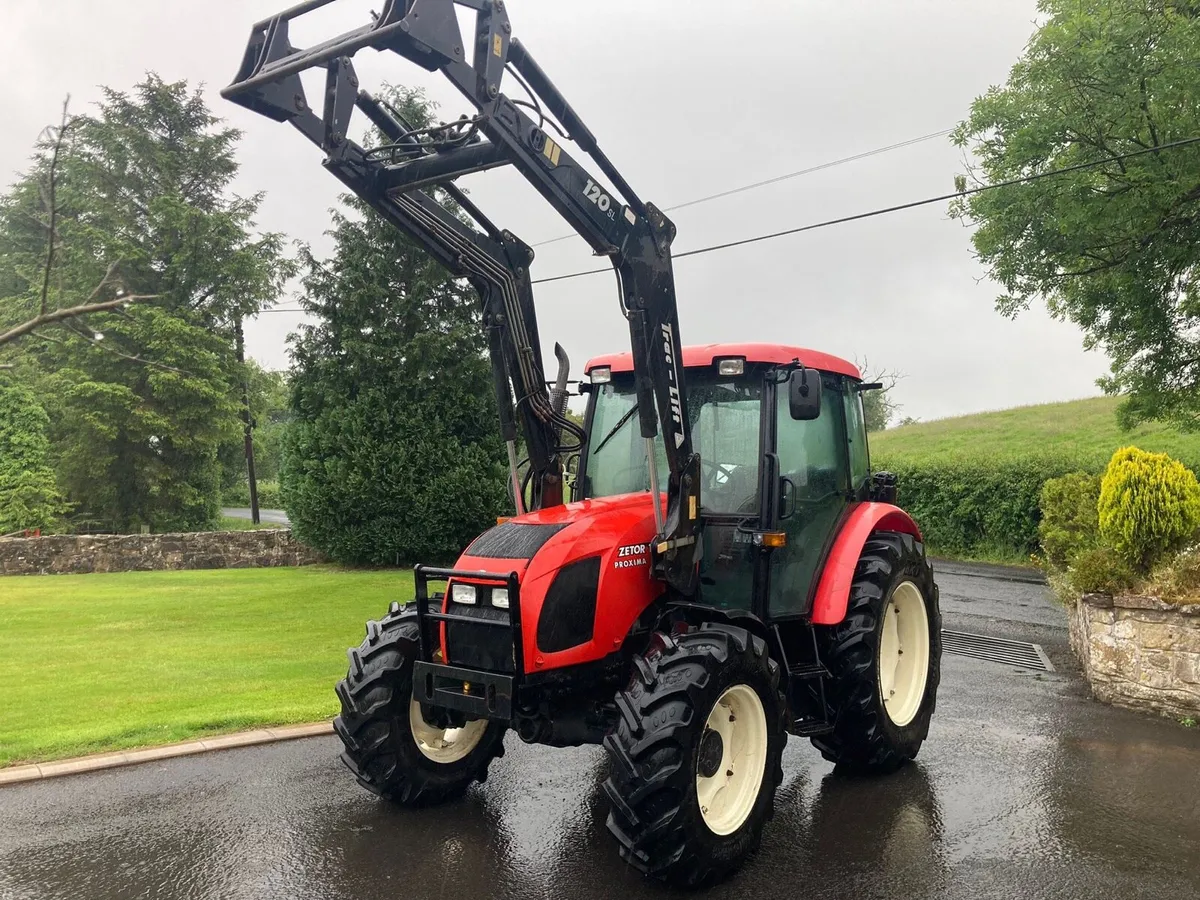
x: 884, y: 658
x: 392, y: 747
x: 696, y: 755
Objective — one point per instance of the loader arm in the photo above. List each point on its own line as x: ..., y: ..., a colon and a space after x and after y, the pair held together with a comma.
x: 399, y: 179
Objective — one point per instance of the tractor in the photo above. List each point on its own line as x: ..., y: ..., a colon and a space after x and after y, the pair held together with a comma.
x: 707, y: 566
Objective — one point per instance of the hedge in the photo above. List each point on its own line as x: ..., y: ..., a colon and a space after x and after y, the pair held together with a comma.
x: 268, y: 495
x: 975, y: 506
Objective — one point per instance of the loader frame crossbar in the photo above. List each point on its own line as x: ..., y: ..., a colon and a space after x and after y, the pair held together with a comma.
x: 399, y: 181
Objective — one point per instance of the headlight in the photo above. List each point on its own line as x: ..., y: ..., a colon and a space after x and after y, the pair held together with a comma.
x: 731, y: 366
x: 601, y: 375
x: 500, y: 598
x: 462, y: 593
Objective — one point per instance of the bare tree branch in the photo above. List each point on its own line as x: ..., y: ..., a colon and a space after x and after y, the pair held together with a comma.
x: 51, y: 202
x: 70, y: 312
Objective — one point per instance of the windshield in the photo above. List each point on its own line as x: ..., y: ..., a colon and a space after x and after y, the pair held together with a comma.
x: 725, y: 421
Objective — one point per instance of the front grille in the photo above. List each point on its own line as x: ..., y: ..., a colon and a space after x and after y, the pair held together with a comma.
x: 484, y: 647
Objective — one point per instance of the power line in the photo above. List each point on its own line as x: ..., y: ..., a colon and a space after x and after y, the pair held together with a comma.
x: 1025, y: 179
x: 941, y: 198
x: 820, y: 167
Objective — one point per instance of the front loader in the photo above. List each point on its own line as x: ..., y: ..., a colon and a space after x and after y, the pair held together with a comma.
x: 727, y: 571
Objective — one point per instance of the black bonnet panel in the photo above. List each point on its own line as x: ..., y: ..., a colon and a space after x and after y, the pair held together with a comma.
x: 512, y: 540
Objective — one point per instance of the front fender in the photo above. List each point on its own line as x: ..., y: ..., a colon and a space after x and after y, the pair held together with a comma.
x: 833, y: 590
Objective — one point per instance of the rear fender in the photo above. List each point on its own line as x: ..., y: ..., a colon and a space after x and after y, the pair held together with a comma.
x: 833, y: 590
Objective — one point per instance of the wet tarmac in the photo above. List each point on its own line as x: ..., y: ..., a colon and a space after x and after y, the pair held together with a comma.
x: 1027, y: 788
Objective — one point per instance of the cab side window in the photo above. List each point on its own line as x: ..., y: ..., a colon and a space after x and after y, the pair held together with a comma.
x: 856, y: 439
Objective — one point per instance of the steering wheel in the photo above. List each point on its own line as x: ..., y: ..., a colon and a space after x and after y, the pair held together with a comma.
x: 718, y: 469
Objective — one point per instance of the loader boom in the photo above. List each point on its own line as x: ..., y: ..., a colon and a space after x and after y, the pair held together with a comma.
x: 398, y: 180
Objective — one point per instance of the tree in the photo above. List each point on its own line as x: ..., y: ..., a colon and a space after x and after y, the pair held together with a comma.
x: 54, y: 140
x: 270, y: 411
x: 1113, y: 248
x: 878, y: 406
x: 394, y: 453
x: 29, y: 496
x: 141, y: 397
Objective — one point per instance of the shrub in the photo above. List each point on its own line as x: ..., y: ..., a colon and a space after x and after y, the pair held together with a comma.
x: 239, y: 495
x: 976, y: 505
x: 1178, y: 579
x: 1099, y: 570
x: 394, y: 453
x: 29, y: 495
x: 1149, y: 506
x: 1070, y: 524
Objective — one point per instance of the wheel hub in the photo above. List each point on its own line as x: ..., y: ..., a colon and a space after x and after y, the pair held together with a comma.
x: 441, y: 744
x: 904, y: 652
x: 731, y: 759
x: 712, y: 749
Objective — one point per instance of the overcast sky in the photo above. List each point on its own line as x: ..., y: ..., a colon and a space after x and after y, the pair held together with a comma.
x: 688, y: 98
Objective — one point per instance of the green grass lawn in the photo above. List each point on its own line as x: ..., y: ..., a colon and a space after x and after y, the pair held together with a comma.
x: 1084, y: 427
x: 109, y: 662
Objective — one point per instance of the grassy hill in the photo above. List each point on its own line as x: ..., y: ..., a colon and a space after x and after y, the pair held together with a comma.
x: 1084, y: 428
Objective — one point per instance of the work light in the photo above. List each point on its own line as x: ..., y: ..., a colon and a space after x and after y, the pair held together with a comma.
x: 462, y: 593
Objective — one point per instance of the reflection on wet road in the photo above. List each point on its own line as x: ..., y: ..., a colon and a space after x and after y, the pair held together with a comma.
x: 1026, y: 789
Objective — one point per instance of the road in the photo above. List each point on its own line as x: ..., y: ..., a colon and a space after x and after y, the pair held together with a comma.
x: 273, y: 516
x: 1026, y: 789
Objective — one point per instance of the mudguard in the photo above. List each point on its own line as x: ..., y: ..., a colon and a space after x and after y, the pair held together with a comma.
x: 833, y: 590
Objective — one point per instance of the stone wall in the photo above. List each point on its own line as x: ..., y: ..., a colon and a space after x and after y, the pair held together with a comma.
x: 1139, y: 652
x: 75, y: 554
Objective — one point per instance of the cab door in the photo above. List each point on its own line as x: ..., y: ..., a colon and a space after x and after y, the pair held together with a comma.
x: 814, y: 472
x: 726, y: 431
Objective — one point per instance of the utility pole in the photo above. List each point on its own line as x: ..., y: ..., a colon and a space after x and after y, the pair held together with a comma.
x: 247, y: 423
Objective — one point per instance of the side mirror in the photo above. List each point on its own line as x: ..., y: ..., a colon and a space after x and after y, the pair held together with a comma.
x: 804, y: 394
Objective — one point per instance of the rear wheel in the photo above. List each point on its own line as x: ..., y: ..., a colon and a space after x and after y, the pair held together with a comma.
x: 695, y: 758
x: 885, y: 658
x: 394, y: 747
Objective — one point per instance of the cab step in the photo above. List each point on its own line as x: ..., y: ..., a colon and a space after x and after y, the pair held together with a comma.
x: 814, y: 670
x: 810, y: 727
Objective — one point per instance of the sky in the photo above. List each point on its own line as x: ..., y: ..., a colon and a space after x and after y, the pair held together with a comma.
x: 688, y: 98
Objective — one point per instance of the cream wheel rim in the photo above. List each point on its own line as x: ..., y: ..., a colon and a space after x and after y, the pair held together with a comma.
x: 444, y: 745
x: 732, y: 759
x: 904, y: 654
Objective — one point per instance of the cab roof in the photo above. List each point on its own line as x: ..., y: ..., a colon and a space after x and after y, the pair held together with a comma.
x: 703, y: 355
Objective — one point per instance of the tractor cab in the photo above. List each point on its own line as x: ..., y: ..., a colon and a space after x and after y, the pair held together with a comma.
x: 783, y: 454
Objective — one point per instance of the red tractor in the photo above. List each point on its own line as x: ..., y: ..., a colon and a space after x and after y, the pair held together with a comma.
x: 770, y: 587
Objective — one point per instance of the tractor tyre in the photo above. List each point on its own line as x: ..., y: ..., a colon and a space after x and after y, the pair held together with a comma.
x: 884, y: 658
x: 695, y: 758
x: 391, y: 749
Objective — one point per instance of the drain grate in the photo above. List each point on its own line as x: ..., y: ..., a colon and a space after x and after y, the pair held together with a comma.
x: 1011, y: 653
